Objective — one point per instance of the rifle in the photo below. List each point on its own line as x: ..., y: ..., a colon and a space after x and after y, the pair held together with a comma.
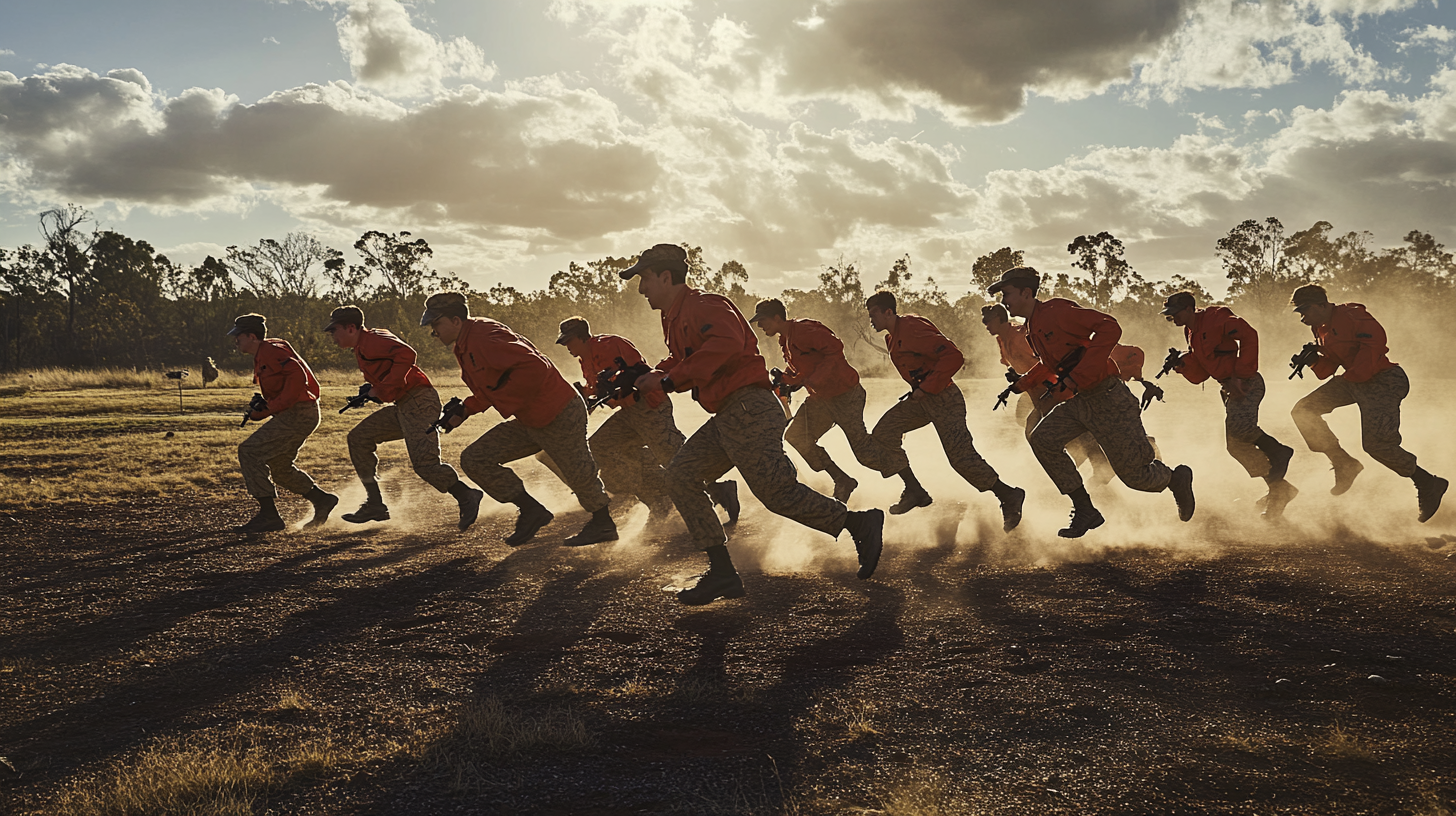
x: 1169, y: 363
x: 359, y: 399
x: 917, y: 377
x: 455, y: 407
x: 781, y: 388
x: 1002, y: 398
x: 1150, y: 392
x: 617, y: 383
x: 1307, y: 356
x: 1064, y: 369
x: 257, y: 403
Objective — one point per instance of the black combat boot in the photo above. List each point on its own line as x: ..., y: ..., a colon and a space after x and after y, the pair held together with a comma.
x: 913, y: 495
x: 323, y: 504
x: 373, y: 508
x: 725, y: 495
x: 1279, y: 455
x: 867, y: 528
x: 720, y: 581
x: 1281, y: 493
x: 1182, y: 486
x: 469, y: 500
x: 1011, y: 498
x: 1084, y: 516
x: 598, y: 528
x: 1429, y: 490
x: 844, y: 484
x: 266, y: 520
x: 533, y: 517
x: 1346, y: 468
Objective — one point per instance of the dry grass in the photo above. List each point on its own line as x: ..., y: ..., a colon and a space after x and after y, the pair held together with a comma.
x: 218, y: 775
x: 1343, y: 744
x: 65, y: 379
x: 917, y: 795
x: 291, y: 699
x: 489, y: 730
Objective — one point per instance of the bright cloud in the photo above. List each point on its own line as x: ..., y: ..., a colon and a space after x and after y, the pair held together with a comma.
x: 387, y: 53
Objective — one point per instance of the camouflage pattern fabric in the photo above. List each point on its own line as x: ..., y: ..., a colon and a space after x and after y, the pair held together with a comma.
x: 947, y: 412
x: 633, y: 448
x: 818, y: 414
x: 1113, y: 416
x: 1081, y: 449
x: 563, y: 438
x: 1379, y: 400
x: 409, y: 418
x: 1241, y: 426
x: 747, y: 432
x: 273, y: 448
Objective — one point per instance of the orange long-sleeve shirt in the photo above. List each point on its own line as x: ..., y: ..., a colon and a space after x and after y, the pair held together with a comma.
x: 1352, y: 339
x: 1055, y: 328
x: 710, y: 348
x: 602, y: 351
x: 815, y: 357
x: 1129, y: 361
x: 915, y: 344
x: 283, y: 377
x: 1016, y: 352
x: 388, y: 364
x: 1220, y: 345
x: 505, y: 372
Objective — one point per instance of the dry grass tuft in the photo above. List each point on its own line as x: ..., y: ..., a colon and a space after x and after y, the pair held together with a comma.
x: 1343, y: 744
x: 919, y: 795
x: 291, y: 699
x: 489, y: 729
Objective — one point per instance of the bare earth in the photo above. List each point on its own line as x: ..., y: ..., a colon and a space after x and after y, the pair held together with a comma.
x: 407, y: 668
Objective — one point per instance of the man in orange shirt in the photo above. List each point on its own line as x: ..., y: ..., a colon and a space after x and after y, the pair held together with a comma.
x: 712, y: 351
x: 634, y: 446
x: 542, y: 412
x: 388, y: 365
x: 927, y: 360
x: 1349, y: 337
x: 1223, y: 347
x: 815, y: 360
x: 292, y: 393
x: 1074, y: 370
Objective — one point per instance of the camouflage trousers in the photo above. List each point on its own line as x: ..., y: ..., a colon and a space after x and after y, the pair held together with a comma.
x: 633, y: 448
x: 1082, y: 449
x: 818, y: 414
x: 947, y: 412
x: 409, y: 418
x: 747, y: 433
x: 563, y: 439
x: 1113, y: 416
x: 1379, y: 399
x: 1241, y: 426
x: 272, y: 449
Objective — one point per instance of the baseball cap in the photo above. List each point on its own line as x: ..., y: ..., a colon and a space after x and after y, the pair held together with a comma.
x: 660, y: 256
x: 1023, y: 277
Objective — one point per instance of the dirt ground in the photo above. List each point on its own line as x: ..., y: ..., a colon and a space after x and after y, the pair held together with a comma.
x: 406, y: 668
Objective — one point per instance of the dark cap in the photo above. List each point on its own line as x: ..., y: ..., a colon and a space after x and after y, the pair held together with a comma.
x: 773, y: 307
x: 444, y: 304
x: 573, y: 327
x: 1022, y: 277
x: 1308, y: 295
x: 352, y: 315
x: 251, y: 324
x: 661, y: 256
x: 1177, y: 302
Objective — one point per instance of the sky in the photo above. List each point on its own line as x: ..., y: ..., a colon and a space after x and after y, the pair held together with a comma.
x: 519, y: 135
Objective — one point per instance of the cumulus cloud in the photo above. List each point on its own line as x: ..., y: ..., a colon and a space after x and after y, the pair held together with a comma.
x: 501, y: 162
x: 1434, y: 37
x: 387, y: 53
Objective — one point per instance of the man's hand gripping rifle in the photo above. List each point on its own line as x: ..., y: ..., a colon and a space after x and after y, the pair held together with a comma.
x: 1307, y: 356
x: 917, y: 377
x: 617, y: 383
x: 256, y: 404
x: 1002, y: 398
x: 1064, y: 370
x: 1169, y: 363
x: 782, y: 390
x: 360, y: 399
x: 455, y: 407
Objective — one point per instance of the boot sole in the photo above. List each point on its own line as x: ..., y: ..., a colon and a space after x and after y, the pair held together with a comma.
x: 1192, y: 502
x: 1436, y: 503
x: 354, y: 518
x: 1011, y: 520
x: 728, y: 594
x: 1072, y: 532
x: 321, y: 512
x: 899, y: 509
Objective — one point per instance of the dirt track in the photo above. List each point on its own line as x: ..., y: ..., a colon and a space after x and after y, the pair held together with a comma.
x: 957, y: 681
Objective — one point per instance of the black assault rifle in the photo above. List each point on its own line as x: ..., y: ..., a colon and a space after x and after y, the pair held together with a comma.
x: 1169, y: 363
x: 1150, y: 392
x: 1002, y: 398
x: 455, y: 407
x: 360, y: 399
x: 617, y: 383
x: 1064, y: 369
x: 257, y: 403
x: 917, y: 377
x: 1307, y: 356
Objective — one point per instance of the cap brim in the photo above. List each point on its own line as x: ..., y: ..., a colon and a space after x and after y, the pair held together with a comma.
x: 235, y: 331
x: 756, y: 318
x: 430, y: 316
x: 1170, y: 311
x: 633, y: 271
x: 997, y: 286
x: 332, y: 324
x: 561, y: 341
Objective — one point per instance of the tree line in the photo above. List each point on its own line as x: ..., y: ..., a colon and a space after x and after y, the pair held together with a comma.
x: 86, y: 297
